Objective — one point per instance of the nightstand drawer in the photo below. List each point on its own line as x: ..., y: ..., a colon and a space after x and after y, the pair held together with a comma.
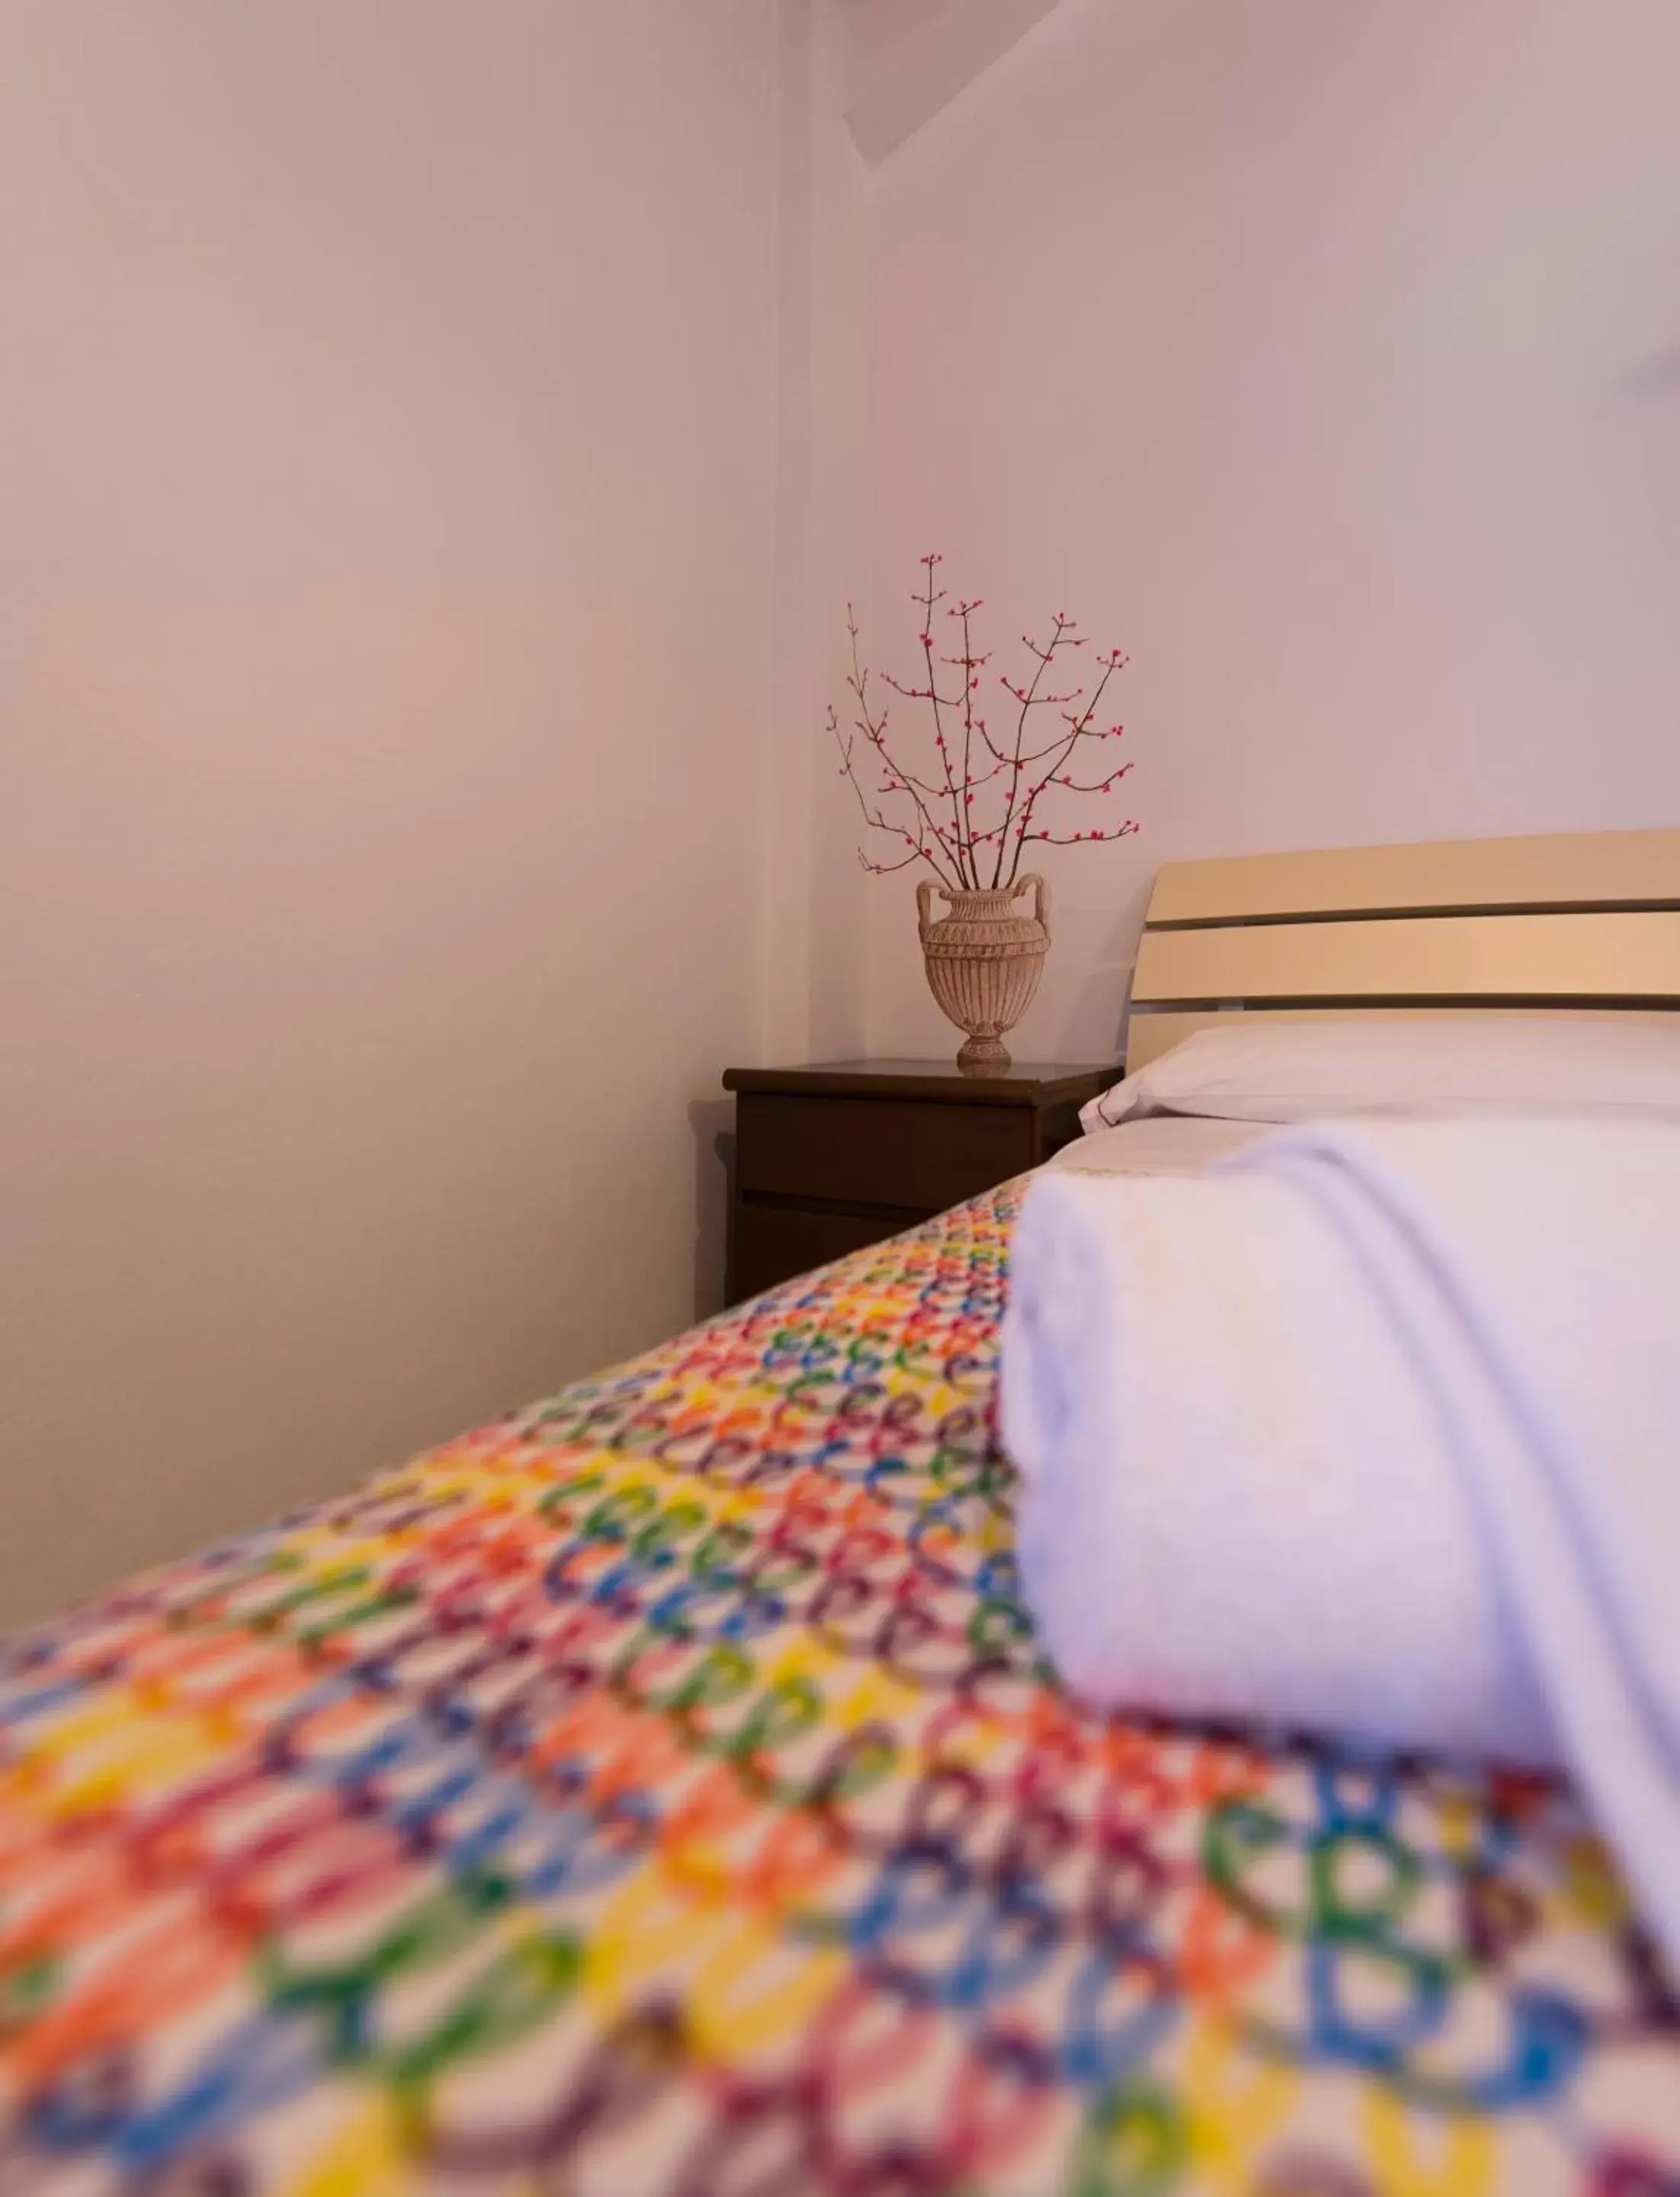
x: 879, y: 1151
x: 840, y: 1154
x: 774, y: 1243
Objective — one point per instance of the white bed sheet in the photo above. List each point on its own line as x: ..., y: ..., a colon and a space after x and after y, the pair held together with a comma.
x: 1159, y: 1144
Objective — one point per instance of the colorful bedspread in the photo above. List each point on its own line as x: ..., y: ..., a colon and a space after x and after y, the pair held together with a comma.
x: 659, y: 1790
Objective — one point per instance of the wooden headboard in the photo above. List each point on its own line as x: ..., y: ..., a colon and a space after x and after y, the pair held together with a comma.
x: 1587, y: 921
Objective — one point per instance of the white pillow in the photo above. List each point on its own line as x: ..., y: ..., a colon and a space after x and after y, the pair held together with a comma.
x: 1259, y: 1068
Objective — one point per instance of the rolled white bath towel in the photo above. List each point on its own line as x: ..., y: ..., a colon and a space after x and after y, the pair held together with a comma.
x: 1369, y: 1430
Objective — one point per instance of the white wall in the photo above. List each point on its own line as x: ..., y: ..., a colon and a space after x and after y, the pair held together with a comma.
x: 1328, y: 357
x: 388, y: 422
x: 878, y: 33
x: 815, y: 916
x: 430, y: 476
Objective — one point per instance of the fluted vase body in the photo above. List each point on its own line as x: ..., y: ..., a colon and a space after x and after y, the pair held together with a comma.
x: 984, y: 960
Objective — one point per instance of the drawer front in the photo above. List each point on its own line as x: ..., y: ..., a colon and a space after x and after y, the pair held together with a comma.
x: 878, y: 1151
x: 774, y: 1243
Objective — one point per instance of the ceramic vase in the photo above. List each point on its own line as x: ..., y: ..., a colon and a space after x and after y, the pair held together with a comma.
x: 983, y: 963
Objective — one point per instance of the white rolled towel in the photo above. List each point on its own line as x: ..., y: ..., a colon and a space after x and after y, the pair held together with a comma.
x: 1369, y: 1430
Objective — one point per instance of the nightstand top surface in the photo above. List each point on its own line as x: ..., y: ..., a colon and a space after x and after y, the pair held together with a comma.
x: 1022, y: 1083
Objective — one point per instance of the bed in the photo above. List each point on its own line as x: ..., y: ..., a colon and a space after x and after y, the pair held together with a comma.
x: 660, y: 1789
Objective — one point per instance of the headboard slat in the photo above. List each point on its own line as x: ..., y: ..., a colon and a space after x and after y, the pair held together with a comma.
x: 1577, y: 870
x: 1428, y: 957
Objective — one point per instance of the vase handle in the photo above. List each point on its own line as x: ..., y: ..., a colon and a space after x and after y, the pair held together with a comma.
x: 923, y: 902
x: 1040, y: 900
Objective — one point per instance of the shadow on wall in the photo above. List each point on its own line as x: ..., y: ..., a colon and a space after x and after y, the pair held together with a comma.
x: 1657, y: 375
x: 713, y: 1121
x: 1107, y: 991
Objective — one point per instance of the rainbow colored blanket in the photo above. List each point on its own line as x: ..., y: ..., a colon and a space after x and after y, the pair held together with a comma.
x: 660, y: 1791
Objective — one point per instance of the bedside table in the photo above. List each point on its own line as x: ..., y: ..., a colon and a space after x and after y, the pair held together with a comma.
x: 832, y: 1157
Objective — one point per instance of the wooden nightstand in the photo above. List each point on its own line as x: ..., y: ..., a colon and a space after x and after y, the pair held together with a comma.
x: 830, y: 1158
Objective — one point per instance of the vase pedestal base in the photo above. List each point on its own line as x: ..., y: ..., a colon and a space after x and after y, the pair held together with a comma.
x: 983, y: 1056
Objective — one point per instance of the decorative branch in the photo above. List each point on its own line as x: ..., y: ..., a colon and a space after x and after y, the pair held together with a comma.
x: 954, y: 849
x: 903, y: 781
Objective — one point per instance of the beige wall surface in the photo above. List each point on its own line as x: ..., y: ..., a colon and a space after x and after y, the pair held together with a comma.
x: 1329, y: 358
x: 878, y: 33
x: 387, y: 423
